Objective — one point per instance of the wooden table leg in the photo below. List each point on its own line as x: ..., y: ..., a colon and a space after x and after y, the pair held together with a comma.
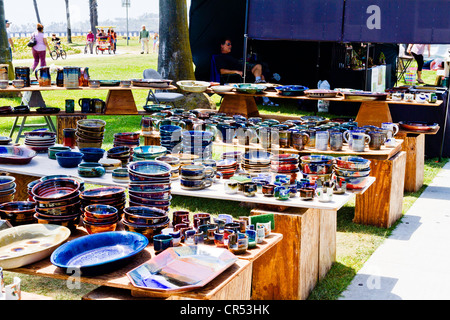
x: 381, y: 205
x: 236, y: 104
x: 120, y: 102
x: 414, y: 146
x: 291, y: 269
x: 373, y: 113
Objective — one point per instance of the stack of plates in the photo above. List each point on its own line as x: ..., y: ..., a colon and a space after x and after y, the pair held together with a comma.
x: 57, y: 202
x: 40, y: 141
x: 19, y: 212
x: 170, y: 138
x: 256, y: 161
x: 4, y: 141
x: 130, y: 139
x: 145, y: 220
x: 198, y: 143
x: 111, y: 196
x: 90, y: 133
x: 286, y: 164
x: 152, y: 172
x: 227, y: 167
x: 354, y: 171
x: 148, y: 152
x: 122, y: 153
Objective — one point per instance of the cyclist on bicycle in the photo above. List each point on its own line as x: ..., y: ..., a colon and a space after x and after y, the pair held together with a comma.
x: 56, y: 42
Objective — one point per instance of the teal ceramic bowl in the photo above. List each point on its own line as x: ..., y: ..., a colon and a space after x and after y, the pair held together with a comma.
x: 91, y: 170
x: 52, y: 151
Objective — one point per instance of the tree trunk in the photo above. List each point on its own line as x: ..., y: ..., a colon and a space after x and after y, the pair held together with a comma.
x: 5, y: 57
x: 174, y: 56
x: 69, y: 29
x: 37, y: 11
x: 93, y: 15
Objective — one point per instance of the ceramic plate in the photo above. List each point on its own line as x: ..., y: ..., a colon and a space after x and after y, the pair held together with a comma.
x: 181, y: 269
x: 27, y: 244
x: 417, y: 126
x: 100, y: 252
x: 16, y: 154
x: 155, y: 83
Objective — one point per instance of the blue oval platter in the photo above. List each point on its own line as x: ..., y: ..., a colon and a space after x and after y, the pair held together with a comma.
x: 99, y: 253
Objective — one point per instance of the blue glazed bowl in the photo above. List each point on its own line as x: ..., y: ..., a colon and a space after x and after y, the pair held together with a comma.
x: 99, y: 253
x: 151, y: 168
x: 91, y: 170
x: 92, y: 154
x: 69, y: 159
x: 322, y: 159
x: 169, y: 129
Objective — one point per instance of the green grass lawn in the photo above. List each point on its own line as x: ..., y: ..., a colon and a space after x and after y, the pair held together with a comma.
x: 355, y: 243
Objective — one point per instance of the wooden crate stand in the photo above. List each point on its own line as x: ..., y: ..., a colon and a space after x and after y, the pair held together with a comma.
x: 414, y: 146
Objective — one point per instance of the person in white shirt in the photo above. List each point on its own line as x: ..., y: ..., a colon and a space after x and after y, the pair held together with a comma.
x: 417, y: 50
x: 10, y: 41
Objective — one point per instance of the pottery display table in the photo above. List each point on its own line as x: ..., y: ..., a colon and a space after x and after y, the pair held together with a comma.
x: 414, y: 146
x: 320, y: 240
x: 233, y: 284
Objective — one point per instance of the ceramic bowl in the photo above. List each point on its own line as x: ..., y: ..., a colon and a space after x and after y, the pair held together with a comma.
x: 291, y: 90
x: 91, y: 170
x: 193, y: 86
x: 150, y: 168
x: 352, y: 163
x: 6, y: 182
x: 351, y: 173
x: 18, y: 84
x: 93, y: 228
x: 110, y: 164
x: 69, y: 159
x: 150, y: 152
x: 52, y: 151
x: 70, y: 222
x: 92, y: 154
x: 18, y: 212
x: 127, y: 135
x: 353, y: 183
x: 94, y: 83
x: 322, y: 159
x: 53, y: 189
x: 145, y: 215
x: 153, y: 187
x: 125, y: 83
x: 250, y: 88
x: 96, y: 125
x: 147, y: 230
x: 4, y: 84
x: 16, y: 155
x: 64, y: 211
x: 316, y: 168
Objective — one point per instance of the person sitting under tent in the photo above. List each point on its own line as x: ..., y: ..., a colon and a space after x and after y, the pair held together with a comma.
x: 227, y: 64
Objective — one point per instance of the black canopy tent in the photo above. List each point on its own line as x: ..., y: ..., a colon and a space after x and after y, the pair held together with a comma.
x: 290, y: 34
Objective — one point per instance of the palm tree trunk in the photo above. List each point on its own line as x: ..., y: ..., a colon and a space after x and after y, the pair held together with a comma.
x: 93, y: 15
x: 174, y: 56
x: 5, y: 57
x: 37, y: 11
x: 69, y: 29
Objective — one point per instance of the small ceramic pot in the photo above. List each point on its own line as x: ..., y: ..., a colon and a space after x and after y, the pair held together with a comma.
x: 307, y: 193
x: 231, y: 187
x: 91, y: 170
x: 189, y: 236
x: 260, y: 234
x: 267, y: 227
x: 238, y: 243
x: 282, y: 193
x: 249, y: 189
x: 161, y: 242
x: 251, y: 234
x: 52, y: 151
x: 268, y: 190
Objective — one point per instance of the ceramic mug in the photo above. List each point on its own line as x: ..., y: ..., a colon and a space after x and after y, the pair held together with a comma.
x: 377, y: 139
x: 391, y: 127
x: 282, y: 193
x: 161, y: 242
x: 359, y: 141
x: 249, y: 189
x: 307, y: 193
x: 409, y: 97
x: 260, y: 234
x: 336, y: 140
x: 268, y: 190
x: 231, y: 187
x: 299, y: 139
x: 322, y: 138
x: 196, y: 172
x: 324, y: 194
x: 195, y: 184
x: 397, y: 96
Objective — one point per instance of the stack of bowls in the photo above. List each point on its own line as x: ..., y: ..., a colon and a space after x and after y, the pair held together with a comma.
x: 236, y: 155
x: 40, y: 141
x: 198, y: 143
x: 174, y: 162
x: 170, y: 138
x: 29, y: 187
x: 227, y: 167
x: 152, y: 172
x: 317, y: 167
x: 354, y: 171
x: 80, y: 180
x: 148, y: 152
x: 100, y: 218
x: 122, y: 153
x: 111, y: 196
x: 7, y: 188
x: 57, y: 202
x: 145, y: 220
x: 92, y: 154
x: 130, y: 139
x: 90, y: 133
x: 256, y: 161
x: 286, y: 164
x: 19, y: 212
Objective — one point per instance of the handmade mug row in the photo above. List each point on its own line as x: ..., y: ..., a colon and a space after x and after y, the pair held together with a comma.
x: 421, y: 97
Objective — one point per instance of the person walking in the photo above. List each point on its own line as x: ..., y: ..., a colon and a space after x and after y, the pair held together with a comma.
x: 144, y: 37
x: 155, y: 42
x: 417, y: 50
x: 90, y: 39
x: 40, y: 49
x: 10, y: 40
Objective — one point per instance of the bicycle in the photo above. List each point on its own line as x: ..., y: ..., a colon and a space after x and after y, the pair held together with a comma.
x: 58, y: 52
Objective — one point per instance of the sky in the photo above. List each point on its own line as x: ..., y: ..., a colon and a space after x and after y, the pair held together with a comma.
x: 21, y: 11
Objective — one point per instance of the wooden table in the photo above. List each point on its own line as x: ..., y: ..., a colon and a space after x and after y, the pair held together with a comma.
x: 233, y: 284
x: 414, y: 146
x: 320, y: 240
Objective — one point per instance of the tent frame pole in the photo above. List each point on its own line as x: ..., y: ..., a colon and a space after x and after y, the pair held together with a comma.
x: 445, y: 123
x: 244, y: 72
